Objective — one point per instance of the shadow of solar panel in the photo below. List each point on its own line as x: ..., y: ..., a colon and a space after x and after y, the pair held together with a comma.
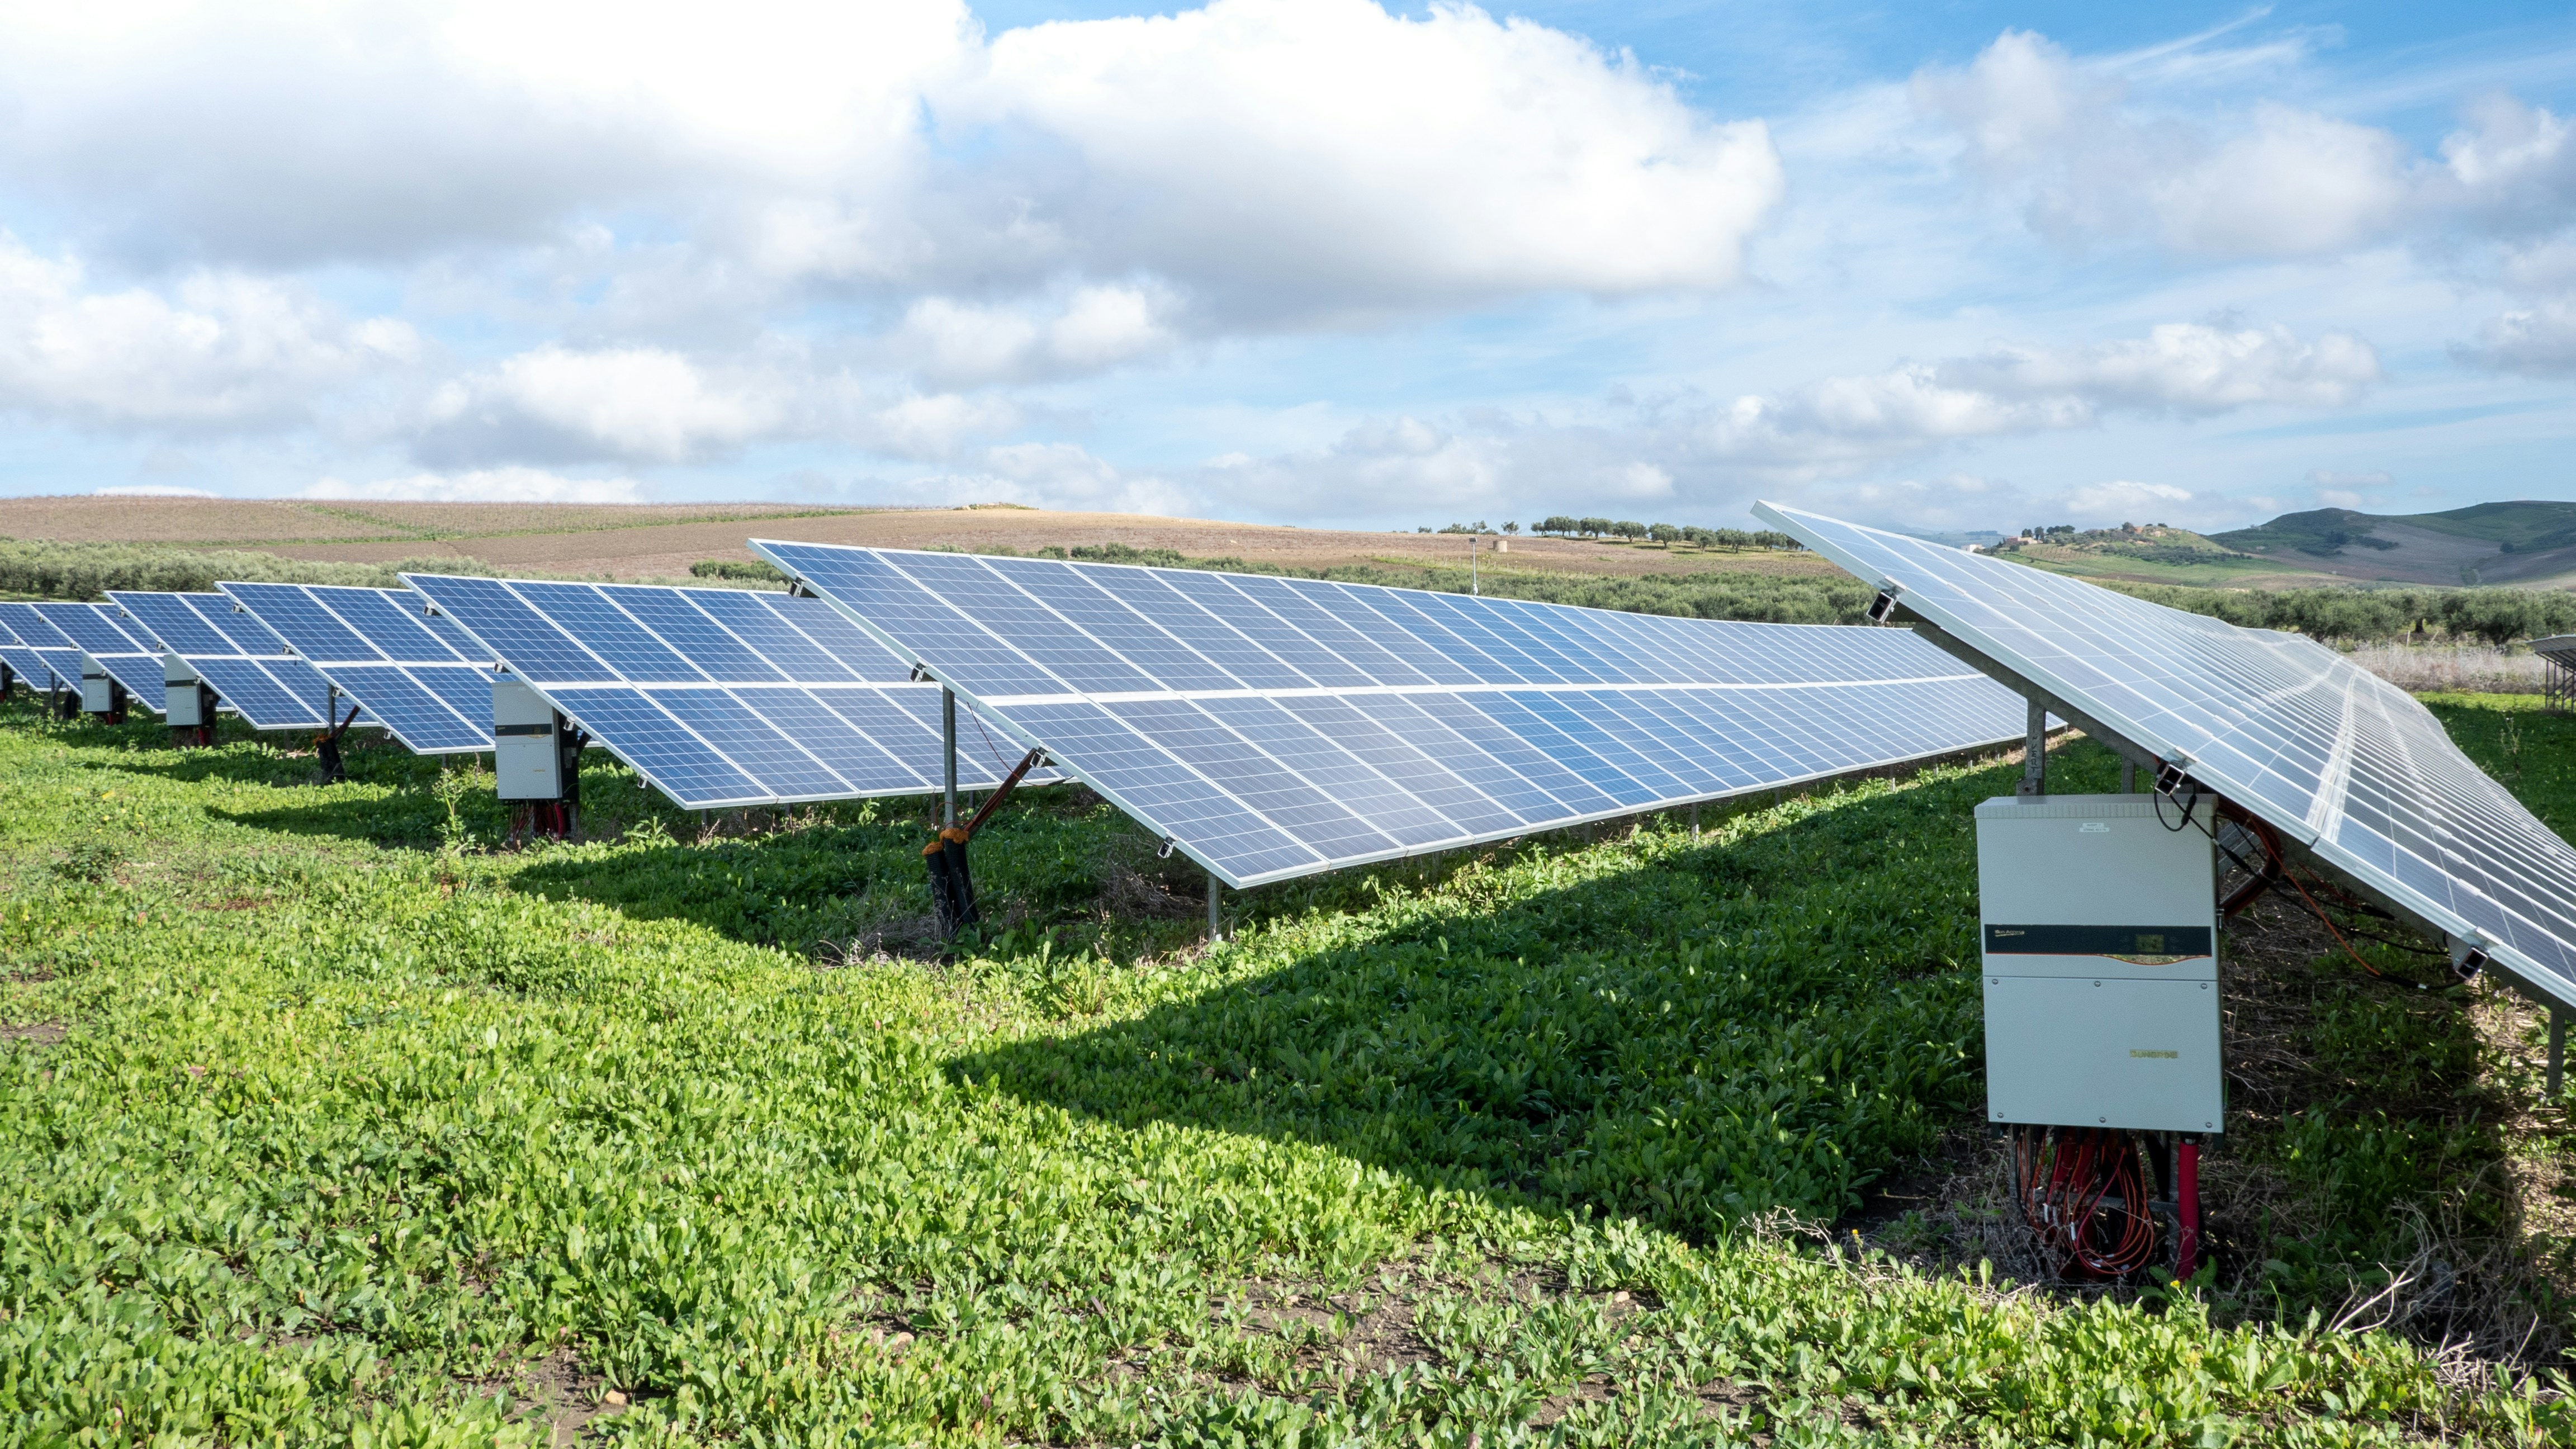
x: 1275, y: 727
x: 2329, y: 754
x: 721, y: 697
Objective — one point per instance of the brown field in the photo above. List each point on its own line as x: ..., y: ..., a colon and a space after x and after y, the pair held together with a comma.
x: 662, y: 540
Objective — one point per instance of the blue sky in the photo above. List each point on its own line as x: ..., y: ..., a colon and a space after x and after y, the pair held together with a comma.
x: 1306, y: 261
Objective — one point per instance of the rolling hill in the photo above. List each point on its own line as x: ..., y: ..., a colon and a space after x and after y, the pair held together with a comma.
x: 2525, y: 543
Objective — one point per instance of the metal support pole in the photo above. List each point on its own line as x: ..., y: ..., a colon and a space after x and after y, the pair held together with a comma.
x: 2034, y: 760
x: 948, y: 737
x: 2557, y: 1050
x: 1694, y: 822
x: 2187, y: 1209
x: 1216, y: 933
x: 1474, y: 589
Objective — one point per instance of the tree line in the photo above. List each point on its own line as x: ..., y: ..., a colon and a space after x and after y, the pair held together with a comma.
x: 2334, y: 615
x: 1732, y: 539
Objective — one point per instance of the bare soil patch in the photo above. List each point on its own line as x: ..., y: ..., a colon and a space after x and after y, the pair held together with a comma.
x: 43, y: 1033
x: 564, y: 1394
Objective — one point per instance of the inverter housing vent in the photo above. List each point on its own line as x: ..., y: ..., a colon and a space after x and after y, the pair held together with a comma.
x: 2099, y: 926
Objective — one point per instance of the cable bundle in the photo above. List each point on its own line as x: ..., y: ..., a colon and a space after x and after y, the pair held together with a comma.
x: 2081, y: 1191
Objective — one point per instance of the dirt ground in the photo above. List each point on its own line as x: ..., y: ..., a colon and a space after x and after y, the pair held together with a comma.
x: 662, y: 540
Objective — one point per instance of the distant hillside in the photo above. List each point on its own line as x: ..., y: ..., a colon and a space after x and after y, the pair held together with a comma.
x: 2525, y: 543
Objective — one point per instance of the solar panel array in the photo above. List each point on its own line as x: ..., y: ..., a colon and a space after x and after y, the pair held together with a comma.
x: 2345, y: 762
x: 246, y: 664
x: 721, y: 697
x: 1275, y: 727
x: 40, y: 655
x: 417, y: 674
x: 95, y: 630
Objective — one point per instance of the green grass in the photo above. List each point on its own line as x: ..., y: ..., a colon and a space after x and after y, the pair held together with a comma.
x: 352, y: 1126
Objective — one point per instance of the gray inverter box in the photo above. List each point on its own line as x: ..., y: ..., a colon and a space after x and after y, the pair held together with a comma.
x: 527, y: 758
x: 183, y: 701
x: 99, y: 689
x: 2099, y: 925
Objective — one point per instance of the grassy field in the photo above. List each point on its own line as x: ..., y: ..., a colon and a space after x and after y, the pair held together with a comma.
x: 327, y: 1121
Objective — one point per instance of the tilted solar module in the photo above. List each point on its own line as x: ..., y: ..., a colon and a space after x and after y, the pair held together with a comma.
x: 2346, y: 763
x: 721, y: 697
x: 418, y: 675
x: 1273, y: 728
x: 98, y: 633
x: 26, y: 661
x: 248, y: 666
x: 53, y: 652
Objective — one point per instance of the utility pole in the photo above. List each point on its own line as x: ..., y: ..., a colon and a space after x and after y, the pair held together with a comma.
x: 1474, y: 589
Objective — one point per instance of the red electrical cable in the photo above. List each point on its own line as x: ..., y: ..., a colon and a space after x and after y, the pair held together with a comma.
x: 2092, y: 1205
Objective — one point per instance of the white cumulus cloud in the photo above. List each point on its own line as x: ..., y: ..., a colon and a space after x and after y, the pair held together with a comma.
x: 643, y: 404
x: 224, y: 350
x: 1330, y: 150
x: 2275, y: 182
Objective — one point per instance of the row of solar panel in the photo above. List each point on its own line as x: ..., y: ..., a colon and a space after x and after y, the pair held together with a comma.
x: 1277, y: 727
x: 2329, y: 754
x: 1269, y: 727
x: 820, y: 712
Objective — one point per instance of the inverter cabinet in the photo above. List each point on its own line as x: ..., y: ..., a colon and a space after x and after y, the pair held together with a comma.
x: 99, y: 693
x: 186, y: 703
x: 2099, y: 925
x: 527, y: 744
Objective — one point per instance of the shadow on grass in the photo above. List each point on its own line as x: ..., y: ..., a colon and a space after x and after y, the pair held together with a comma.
x: 1706, y: 1034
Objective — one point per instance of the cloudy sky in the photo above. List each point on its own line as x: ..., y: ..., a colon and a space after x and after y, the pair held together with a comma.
x: 1307, y: 261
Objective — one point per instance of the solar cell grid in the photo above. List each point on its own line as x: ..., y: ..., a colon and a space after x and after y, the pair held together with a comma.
x: 2343, y: 761
x: 1276, y: 727
x: 24, y: 661
x: 378, y: 648
x: 720, y: 697
x: 56, y: 657
x: 247, y: 665
x: 96, y: 631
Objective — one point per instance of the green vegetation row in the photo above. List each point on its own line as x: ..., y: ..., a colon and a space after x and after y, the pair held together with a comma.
x: 2354, y: 615
x: 328, y: 1122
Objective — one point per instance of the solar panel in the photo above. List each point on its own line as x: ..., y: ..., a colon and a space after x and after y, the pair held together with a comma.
x: 248, y: 666
x: 2324, y: 751
x: 722, y: 697
x: 97, y: 632
x: 1273, y: 728
x: 23, y: 660
x: 416, y: 674
x: 55, y: 657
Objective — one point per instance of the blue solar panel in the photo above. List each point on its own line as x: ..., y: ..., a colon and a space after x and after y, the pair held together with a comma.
x: 721, y: 697
x: 1275, y: 727
x: 104, y: 641
x: 56, y: 657
x: 247, y: 665
x: 2334, y: 757
x: 378, y: 648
